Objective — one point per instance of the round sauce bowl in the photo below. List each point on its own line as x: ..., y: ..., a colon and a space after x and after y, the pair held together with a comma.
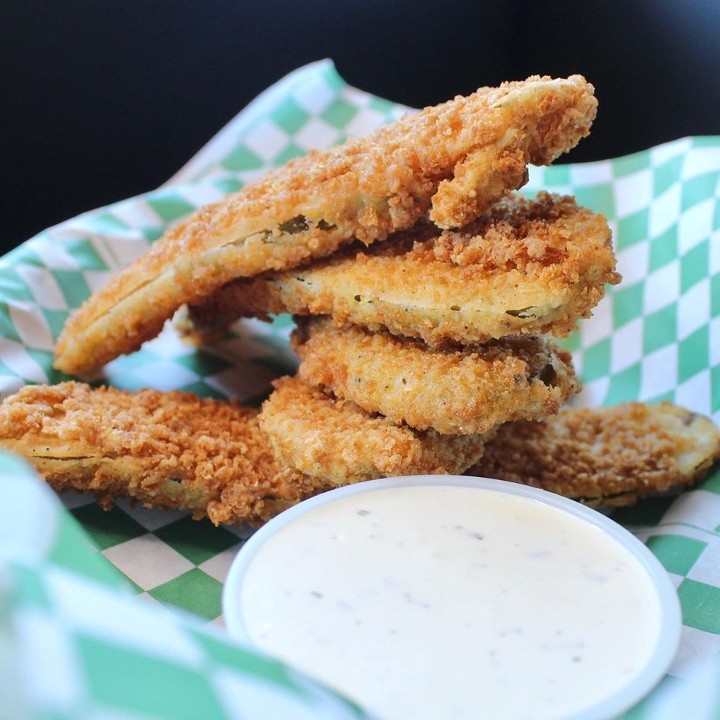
x: 458, y: 597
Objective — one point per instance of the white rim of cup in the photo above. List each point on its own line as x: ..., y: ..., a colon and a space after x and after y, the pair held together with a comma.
x: 615, y: 704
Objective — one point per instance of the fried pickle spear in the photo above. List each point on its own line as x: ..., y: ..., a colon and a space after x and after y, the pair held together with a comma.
x: 525, y: 266
x: 455, y: 391
x: 605, y: 457
x: 451, y: 161
x: 175, y: 450
x: 170, y: 450
x: 337, y: 443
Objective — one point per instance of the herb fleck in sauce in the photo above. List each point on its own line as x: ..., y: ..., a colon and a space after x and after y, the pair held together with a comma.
x: 434, y: 601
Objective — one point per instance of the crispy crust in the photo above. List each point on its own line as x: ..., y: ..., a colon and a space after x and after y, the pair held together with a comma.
x: 338, y: 443
x: 451, y: 161
x: 164, y: 449
x: 606, y: 456
x: 526, y: 266
x: 175, y: 450
x: 456, y: 391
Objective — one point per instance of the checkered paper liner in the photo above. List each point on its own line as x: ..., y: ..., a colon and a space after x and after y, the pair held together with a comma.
x: 656, y: 336
x: 76, y: 643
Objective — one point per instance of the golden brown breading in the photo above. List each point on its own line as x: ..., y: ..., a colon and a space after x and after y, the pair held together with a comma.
x: 338, y: 443
x: 605, y: 456
x: 451, y: 161
x: 163, y: 449
x: 455, y: 391
x: 175, y: 450
x: 525, y: 266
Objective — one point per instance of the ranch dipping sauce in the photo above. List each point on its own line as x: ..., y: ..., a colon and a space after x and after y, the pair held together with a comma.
x: 451, y: 602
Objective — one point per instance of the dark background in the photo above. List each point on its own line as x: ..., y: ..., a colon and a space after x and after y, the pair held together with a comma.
x: 103, y: 100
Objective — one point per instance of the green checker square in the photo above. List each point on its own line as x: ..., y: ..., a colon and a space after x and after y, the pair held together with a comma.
x: 120, y: 678
x: 107, y: 222
x: 55, y: 320
x: 44, y: 359
x: 339, y: 113
x: 596, y: 361
x: 599, y: 198
x: 557, y: 175
x: 381, y: 105
x: 668, y: 396
x: 647, y: 513
x: 289, y: 151
x: 107, y: 528
x: 194, y: 591
x: 290, y: 116
x: 693, y: 353
x: 572, y: 342
x: 203, y: 363
x: 700, y: 603
x: 332, y: 79
x: 663, y: 248
x: 84, y: 252
x: 281, y: 322
x: 698, y: 189
x: 702, y: 141
x: 198, y: 541
x: 73, y: 286
x: 151, y: 234
x: 267, y: 670
x: 694, y: 265
x: 29, y: 590
x: 26, y: 254
x: 715, y: 387
x: 632, y: 229
x: 7, y: 328
x: 716, y: 216
x: 667, y: 174
x: 630, y: 164
x: 624, y: 386
x: 676, y: 553
x: 170, y: 207
x: 627, y: 304
x: 660, y: 329
x: 128, y: 381
x: 12, y: 464
x: 248, y: 662
x: 136, y: 361
x: 715, y: 295
x: 712, y: 484
x: 228, y: 184
x: 242, y: 158
x: 12, y: 286
x: 77, y: 552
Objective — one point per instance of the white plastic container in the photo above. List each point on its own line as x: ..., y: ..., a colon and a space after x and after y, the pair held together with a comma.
x: 458, y: 597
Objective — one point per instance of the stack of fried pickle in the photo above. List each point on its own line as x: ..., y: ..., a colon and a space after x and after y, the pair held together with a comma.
x: 424, y: 291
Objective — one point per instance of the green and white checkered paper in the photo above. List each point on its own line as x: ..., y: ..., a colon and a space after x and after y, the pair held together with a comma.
x: 655, y: 336
x: 76, y: 643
